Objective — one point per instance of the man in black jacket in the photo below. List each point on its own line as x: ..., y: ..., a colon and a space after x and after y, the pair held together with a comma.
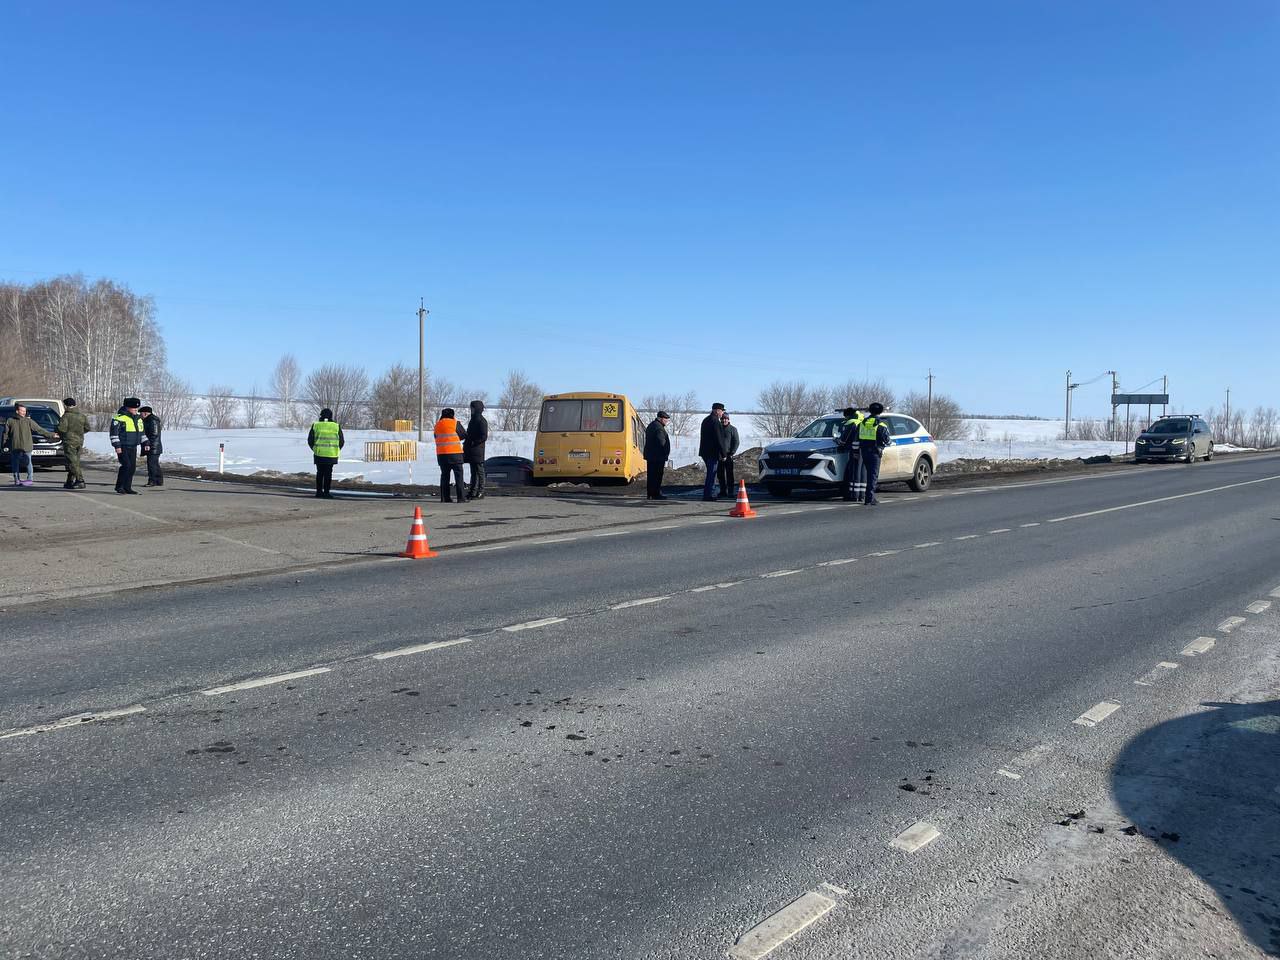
x: 126, y: 436
x: 473, y: 449
x: 657, y: 450
x: 152, y: 446
x: 711, y: 447
x: 873, y: 437
x: 731, y: 441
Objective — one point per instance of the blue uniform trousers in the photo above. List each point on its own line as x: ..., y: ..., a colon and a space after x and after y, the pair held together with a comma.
x: 870, y: 455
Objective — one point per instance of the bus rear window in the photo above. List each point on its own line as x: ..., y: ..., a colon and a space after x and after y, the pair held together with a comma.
x: 581, y: 416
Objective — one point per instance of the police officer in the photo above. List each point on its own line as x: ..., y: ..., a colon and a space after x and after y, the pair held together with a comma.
x: 851, y: 486
x: 127, y: 435
x: 325, y: 440
x: 873, y: 437
x: 449, y: 436
x: 72, y: 428
x: 153, y: 446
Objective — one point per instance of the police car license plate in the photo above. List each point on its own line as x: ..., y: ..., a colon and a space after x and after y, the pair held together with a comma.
x: 789, y: 471
x: 579, y: 454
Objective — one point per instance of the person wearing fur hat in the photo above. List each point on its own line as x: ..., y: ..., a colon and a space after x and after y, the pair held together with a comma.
x: 325, y: 440
x: 127, y: 434
x: 473, y: 449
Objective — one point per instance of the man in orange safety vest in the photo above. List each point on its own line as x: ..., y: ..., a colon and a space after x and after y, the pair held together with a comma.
x: 449, y: 437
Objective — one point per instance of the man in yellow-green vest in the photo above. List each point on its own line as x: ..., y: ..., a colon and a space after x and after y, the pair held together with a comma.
x: 851, y: 487
x: 325, y: 440
x: 127, y: 435
x: 873, y: 437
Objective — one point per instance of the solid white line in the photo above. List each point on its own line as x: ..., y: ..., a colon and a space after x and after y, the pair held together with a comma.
x: 1001, y: 530
x: 785, y: 513
x: 1155, y: 673
x: 1179, y: 496
x: 534, y: 624
x: 639, y: 603
x: 731, y: 583
x: 264, y: 681
x: 916, y: 836
x: 245, y: 543
x: 1197, y: 646
x: 816, y: 509
x: 969, y: 536
x: 1010, y: 774
x: 883, y: 553
x: 931, y: 543
x: 778, y: 573
x: 774, y: 931
x: 711, y: 586
x: 1274, y: 593
x: 714, y: 520
x: 419, y: 648
x: 836, y: 563
x: 115, y: 506
x: 1097, y: 713
x: 1229, y: 624
x: 1259, y: 606
x: 496, y: 546
x: 611, y: 533
x: 666, y: 526
x: 75, y: 721
x: 539, y: 543
x: 1029, y: 524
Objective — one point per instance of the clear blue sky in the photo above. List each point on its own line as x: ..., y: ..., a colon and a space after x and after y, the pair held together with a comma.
x: 668, y: 195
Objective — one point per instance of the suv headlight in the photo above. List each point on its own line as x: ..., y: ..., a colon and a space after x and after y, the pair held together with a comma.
x: 1179, y: 440
x: 1141, y: 442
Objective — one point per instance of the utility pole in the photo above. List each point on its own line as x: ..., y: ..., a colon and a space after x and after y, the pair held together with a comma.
x: 422, y: 356
x: 1164, y: 407
x: 1066, y: 420
x: 928, y: 407
x: 1115, y: 388
x: 1226, y: 423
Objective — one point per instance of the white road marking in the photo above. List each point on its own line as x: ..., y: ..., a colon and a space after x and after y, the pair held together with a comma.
x: 774, y: 931
x: 1197, y: 646
x: 906, y: 499
x: 916, y: 836
x: 784, y: 513
x: 639, y: 603
x: 1097, y: 713
x: 1032, y: 756
x: 838, y: 891
x: 1259, y: 606
x: 1274, y: 593
x: 1178, y: 496
x: 931, y: 543
x: 883, y: 553
x: 115, y: 506
x: 539, y: 543
x: 611, y: 533
x: 1001, y: 530
x: 667, y: 526
x: 714, y: 520
x: 828, y: 507
x: 730, y: 583
x: 968, y: 536
x: 837, y: 563
x: 534, y: 624
x: 1029, y: 524
x: 264, y: 681
x: 419, y: 648
x: 1229, y: 624
x: 1161, y: 669
x: 1010, y: 774
x: 245, y: 543
x: 710, y: 586
x: 496, y: 546
x: 778, y: 573
x: 74, y: 721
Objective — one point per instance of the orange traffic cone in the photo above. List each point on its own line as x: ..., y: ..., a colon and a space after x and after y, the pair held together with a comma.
x: 417, y: 548
x: 743, y: 507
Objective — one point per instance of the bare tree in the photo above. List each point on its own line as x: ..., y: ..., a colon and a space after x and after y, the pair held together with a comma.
x: 1263, y: 428
x: 286, y: 380
x: 683, y: 408
x: 220, y: 407
x: 863, y: 393
x: 251, y: 409
x: 174, y: 399
x: 519, y: 403
x: 942, y: 417
x: 786, y: 406
x: 341, y: 388
x: 394, y: 395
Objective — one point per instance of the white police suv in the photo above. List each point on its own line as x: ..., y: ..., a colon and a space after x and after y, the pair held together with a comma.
x: 812, y: 461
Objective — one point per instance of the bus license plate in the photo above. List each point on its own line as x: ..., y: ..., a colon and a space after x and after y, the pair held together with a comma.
x: 579, y: 454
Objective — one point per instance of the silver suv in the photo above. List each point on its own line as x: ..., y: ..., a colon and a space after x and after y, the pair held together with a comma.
x: 1185, y: 437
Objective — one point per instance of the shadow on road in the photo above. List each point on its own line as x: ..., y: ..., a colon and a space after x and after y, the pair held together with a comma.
x: 1204, y: 787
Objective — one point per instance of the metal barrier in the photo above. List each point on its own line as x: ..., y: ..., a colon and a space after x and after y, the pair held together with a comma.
x: 379, y: 451
x: 396, y: 426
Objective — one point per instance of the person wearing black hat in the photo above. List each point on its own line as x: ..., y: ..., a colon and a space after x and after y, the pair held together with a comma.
x: 72, y: 427
x: 127, y: 435
x: 325, y: 440
x: 711, y: 447
x: 731, y: 443
x: 450, y: 437
x: 851, y: 486
x: 873, y: 437
x: 473, y: 449
x: 657, y: 450
x: 153, y: 446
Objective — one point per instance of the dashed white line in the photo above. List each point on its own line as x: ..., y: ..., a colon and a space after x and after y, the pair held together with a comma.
x: 883, y: 553
x: 496, y: 546
x: 1274, y: 593
x: 916, y: 836
x: 611, y: 533
x: 968, y: 536
x: 1179, y: 496
x: 831, y: 506
x: 714, y: 520
x: 710, y: 586
x: 1259, y: 606
x: 1229, y: 624
x: 419, y: 648
x: 667, y: 526
x: 931, y: 543
x: 245, y: 543
x: 774, y: 931
x: 1036, y: 524
x: 838, y: 891
x: 1198, y: 646
x: 1001, y: 530
x: 264, y: 681
x: 539, y: 543
x: 639, y: 603
x: 1009, y: 773
x: 778, y: 573
x: 534, y: 624
x: 1097, y: 713
x: 728, y: 583
x: 74, y: 721
x: 1161, y: 669
x: 837, y: 563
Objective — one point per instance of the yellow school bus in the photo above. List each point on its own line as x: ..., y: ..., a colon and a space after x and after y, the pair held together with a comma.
x: 588, y: 436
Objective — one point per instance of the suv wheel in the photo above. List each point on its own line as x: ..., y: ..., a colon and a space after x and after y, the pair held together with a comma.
x: 1191, y: 452
x: 921, y: 476
x: 1209, y: 456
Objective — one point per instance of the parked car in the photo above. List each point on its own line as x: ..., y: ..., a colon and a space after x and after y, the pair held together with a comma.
x: 812, y: 460
x: 509, y: 471
x: 45, y: 452
x: 1185, y: 437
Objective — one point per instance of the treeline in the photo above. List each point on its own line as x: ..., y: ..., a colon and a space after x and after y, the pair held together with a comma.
x: 95, y: 341
x: 786, y: 406
x: 1259, y: 428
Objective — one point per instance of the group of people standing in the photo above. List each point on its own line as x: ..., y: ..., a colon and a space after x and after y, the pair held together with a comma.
x: 863, y: 436
x: 718, y: 442
x: 135, y: 427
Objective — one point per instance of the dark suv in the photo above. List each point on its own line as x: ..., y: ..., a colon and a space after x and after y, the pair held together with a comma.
x: 1183, y: 437
x: 46, y: 452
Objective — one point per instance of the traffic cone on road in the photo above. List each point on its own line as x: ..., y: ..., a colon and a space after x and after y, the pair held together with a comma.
x: 743, y: 507
x: 417, y: 548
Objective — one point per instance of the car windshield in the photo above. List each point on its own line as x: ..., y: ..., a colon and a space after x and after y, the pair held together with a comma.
x: 825, y: 427
x: 1181, y: 425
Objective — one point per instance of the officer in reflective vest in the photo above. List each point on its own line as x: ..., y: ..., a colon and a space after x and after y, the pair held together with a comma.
x: 852, y: 483
x: 873, y: 437
x: 449, y: 436
x: 127, y: 435
x: 325, y: 440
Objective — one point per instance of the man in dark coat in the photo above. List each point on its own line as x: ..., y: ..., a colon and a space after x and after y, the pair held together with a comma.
x: 657, y: 450
x: 853, y: 483
x: 711, y: 447
x: 127, y: 436
x: 72, y: 428
x: 473, y: 449
x: 731, y: 441
x: 153, y: 446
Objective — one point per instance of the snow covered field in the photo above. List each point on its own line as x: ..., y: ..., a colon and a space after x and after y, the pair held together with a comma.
x: 274, y: 448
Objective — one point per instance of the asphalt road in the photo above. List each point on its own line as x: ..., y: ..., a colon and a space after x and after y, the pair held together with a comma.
x: 816, y: 704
